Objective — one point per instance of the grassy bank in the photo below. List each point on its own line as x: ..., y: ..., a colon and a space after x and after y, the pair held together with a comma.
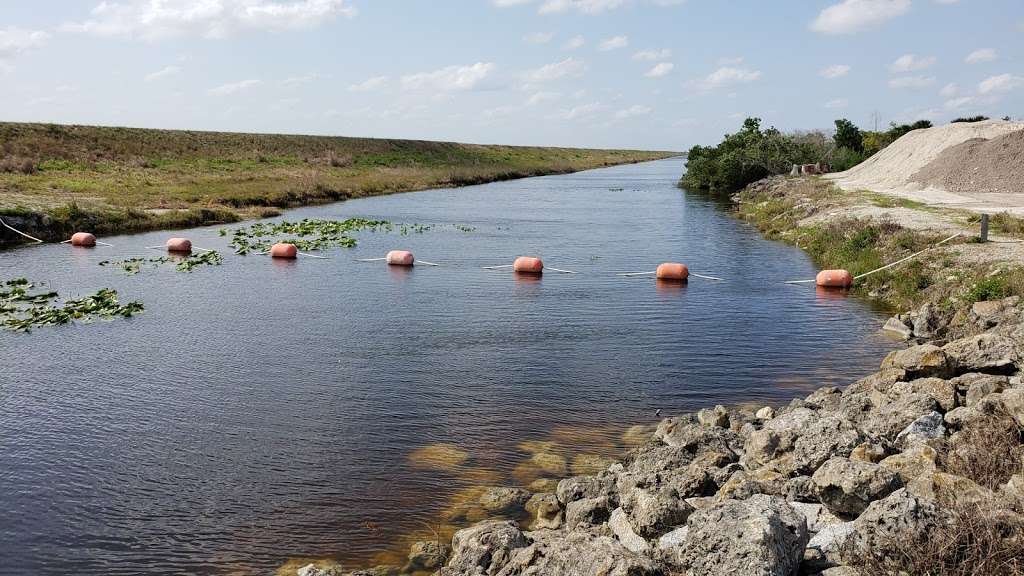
x: 862, y: 231
x: 56, y: 179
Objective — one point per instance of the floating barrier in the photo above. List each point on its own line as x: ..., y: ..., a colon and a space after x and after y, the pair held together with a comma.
x: 283, y: 250
x: 672, y: 271
x: 834, y: 279
x: 400, y: 258
x: 182, y: 245
x: 528, y: 265
x: 83, y: 239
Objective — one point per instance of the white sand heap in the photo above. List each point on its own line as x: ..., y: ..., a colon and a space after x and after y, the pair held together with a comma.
x: 892, y: 170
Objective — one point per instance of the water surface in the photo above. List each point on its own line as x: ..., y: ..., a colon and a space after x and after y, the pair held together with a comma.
x: 260, y: 410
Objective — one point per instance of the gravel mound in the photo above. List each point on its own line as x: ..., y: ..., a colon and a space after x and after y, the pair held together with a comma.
x: 978, y: 166
x: 893, y: 169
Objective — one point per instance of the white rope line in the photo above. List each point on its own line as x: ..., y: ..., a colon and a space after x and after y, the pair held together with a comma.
x: 800, y: 281
x: 425, y: 262
x: 101, y: 243
x: 370, y: 259
x: 9, y: 227
x: 314, y: 255
x: 907, y: 258
x: 637, y: 273
x: 560, y: 270
x: 497, y: 267
x: 705, y: 277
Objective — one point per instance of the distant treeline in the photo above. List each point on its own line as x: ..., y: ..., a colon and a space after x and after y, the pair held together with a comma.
x: 754, y: 153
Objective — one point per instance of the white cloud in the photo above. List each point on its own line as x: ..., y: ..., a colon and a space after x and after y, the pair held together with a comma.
x: 574, y: 43
x: 582, y: 6
x: 613, y: 43
x: 652, y: 55
x: 850, y: 16
x: 506, y: 3
x: 369, y: 85
x: 234, y: 87
x: 154, y: 19
x: 910, y: 62
x: 728, y: 76
x: 556, y: 70
x: 539, y: 38
x: 981, y: 55
x: 16, y: 41
x: 834, y: 71
x: 583, y: 111
x: 949, y: 90
x: 541, y: 97
x: 450, y: 78
x: 912, y: 82
x: 960, y: 102
x: 837, y: 103
x: 165, y: 72
x: 1000, y: 83
x: 946, y: 1
x: 730, y: 61
x: 632, y: 112
x: 660, y: 69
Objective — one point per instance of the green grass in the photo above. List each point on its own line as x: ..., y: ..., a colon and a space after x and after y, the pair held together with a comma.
x: 110, y: 180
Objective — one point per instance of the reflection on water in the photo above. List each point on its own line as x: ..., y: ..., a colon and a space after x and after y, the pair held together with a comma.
x: 266, y: 410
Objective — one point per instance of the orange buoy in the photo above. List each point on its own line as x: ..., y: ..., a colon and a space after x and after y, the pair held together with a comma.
x: 528, y: 265
x: 83, y: 239
x: 284, y: 250
x: 179, y: 245
x: 834, y: 279
x: 400, y: 258
x: 672, y: 271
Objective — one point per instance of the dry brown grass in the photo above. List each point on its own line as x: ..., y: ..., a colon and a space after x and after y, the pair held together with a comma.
x: 988, y: 451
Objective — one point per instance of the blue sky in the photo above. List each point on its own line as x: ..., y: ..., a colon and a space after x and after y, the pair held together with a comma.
x: 655, y: 74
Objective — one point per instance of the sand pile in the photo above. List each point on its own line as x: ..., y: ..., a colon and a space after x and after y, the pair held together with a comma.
x: 893, y: 169
x: 978, y: 166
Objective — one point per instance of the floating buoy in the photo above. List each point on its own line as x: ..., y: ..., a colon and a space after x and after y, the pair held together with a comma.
x: 672, y: 271
x: 400, y: 258
x: 83, y: 239
x: 834, y: 279
x: 284, y: 250
x: 528, y: 265
x: 179, y: 245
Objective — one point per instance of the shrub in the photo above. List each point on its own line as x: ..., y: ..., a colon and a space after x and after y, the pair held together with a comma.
x: 846, y: 158
x: 978, y: 118
x: 17, y: 165
x: 848, y: 136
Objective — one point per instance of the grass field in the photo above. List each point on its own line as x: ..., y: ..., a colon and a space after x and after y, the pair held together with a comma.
x: 57, y: 179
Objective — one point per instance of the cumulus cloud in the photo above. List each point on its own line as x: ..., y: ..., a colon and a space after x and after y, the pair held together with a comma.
x: 949, y: 90
x: 613, y: 43
x: 837, y: 103
x: 652, y: 55
x: 449, y: 78
x: 960, y: 102
x: 912, y: 82
x: 163, y: 73
x: 574, y: 43
x: 154, y: 19
x: 582, y: 6
x: 556, y: 70
x: 583, y: 111
x: 910, y: 62
x: 999, y: 84
x: 727, y: 76
x: 541, y: 97
x: 234, y: 87
x: 981, y: 55
x: 17, y: 41
x: 660, y: 69
x: 851, y: 16
x: 632, y: 112
x: 539, y: 38
x: 369, y: 85
x: 834, y: 71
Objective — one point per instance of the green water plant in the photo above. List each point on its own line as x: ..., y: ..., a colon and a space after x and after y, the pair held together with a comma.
x: 307, y: 234
x: 132, y: 266
x: 23, y: 307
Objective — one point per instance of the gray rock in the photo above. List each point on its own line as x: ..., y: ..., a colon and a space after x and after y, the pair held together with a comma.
x: 800, y: 489
x: 677, y: 537
x: 824, y: 438
x: 546, y: 511
x: 428, y: 555
x: 880, y: 380
x: 928, y: 322
x: 580, y: 487
x: 914, y: 461
x: 588, y: 512
x: 992, y: 313
x: 846, y: 487
x: 889, y: 524
x: 765, y: 445
x: 892, y: 417
x: 817, y: 516
x: 501, y: 500
x: 576, y: 554
x: 898, y: 328
x: 484, y: 548
x: 926, y: 428
x: 717, y: 416
x: 619, y: 523
x: 652, y: 511
x: 984, y: 353
x: 697, y: 438
x: 943, y: 391
x: 314, y: 570
x: 976, y: 386
x: 920, y: 361
x: 759, y: 536
x: 824, y: 550
x: 825, y: 398
x: 766, y: 413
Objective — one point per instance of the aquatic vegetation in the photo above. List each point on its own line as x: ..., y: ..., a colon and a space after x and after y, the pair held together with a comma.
x: 439, y: 456
x: 464, y: 228
x: 307, y: 234
x: 22, y: 308
x: 550, y: 463
x: 132, y: 266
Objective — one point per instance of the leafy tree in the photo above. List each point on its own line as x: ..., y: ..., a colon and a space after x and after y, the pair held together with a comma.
x: 848, y: 135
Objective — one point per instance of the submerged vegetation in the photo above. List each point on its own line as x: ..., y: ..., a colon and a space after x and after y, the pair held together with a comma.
x: 56, y: 180
x: 22, y: 307
x: 132, y: 266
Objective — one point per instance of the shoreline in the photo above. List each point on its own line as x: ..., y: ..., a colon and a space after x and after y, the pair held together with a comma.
x: 62, y: 179
x: 833, y: 484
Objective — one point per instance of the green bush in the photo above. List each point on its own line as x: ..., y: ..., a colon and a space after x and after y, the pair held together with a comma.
x: 978, y: 118
x: 845, y: 158
x: 848, y: 136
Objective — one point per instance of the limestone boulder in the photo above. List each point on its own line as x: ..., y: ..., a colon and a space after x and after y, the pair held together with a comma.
x: 846, y: 487
x: 920, y: 361
x: 484, y: 549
